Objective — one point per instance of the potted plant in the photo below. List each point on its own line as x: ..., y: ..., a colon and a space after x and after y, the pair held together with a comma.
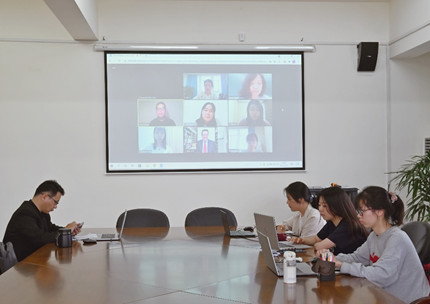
x: 415, y: 177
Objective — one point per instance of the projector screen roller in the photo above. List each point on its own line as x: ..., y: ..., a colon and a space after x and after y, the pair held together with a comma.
x: 204, y: 111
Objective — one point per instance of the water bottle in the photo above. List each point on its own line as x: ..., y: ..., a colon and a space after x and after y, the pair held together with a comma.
x: 290, y: 267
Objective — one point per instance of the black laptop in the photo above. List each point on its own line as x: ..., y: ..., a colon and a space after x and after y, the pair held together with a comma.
x: 238, y: 233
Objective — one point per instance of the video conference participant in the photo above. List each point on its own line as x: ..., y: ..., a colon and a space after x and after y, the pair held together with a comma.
x: 343, y: 231
x: 161, y: 119
x: 307, y: 221
x: 255, y: 114
x: 30, y: 226
x: 207, y: 93
x: 159, y: 144
x: 254, y: 87
x: 388, y: 258
x: 205, y: 145
x: 207, y: 116
x: 252, y: 142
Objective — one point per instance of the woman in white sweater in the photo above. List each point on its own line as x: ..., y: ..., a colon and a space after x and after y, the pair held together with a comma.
x: 388, y: 258
x: 307, y: 221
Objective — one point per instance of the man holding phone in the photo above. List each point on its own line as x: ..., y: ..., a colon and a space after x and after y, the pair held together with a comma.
x: 30, y: 226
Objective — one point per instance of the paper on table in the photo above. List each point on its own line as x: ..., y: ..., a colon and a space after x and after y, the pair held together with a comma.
x: 83, y: 237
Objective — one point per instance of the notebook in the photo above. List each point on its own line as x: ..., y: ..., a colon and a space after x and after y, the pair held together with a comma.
x: 302, y: 269
x: 112, y: 236
x: 233, y: 233
x: 266, y: 225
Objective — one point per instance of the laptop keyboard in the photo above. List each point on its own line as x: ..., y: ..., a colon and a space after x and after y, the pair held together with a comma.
x: 108, y: 236
x: 240, y: 232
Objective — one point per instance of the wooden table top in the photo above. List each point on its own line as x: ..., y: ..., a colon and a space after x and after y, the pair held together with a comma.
x: 176, y: 265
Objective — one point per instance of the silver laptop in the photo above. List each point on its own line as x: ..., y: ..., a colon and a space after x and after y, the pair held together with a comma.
x: 266, y: 224
x: 112, y: 236
x: 233, y: 233
x: 302, y: 269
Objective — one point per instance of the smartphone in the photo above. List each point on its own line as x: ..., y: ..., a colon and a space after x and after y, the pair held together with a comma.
x: 79, y: 226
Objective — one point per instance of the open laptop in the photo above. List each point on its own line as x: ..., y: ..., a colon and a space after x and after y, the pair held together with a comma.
x: 266, y: 224
x: 233, y: 233
x: 302, y: 269
x: 112, y: 236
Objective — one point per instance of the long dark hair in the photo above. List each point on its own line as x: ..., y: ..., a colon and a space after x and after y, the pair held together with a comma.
x: 260, y: 120
x: 245, y: 92
x: 339, y: 204
x: 201, y: 122
x: 163, y: 143
x: 377, y: 198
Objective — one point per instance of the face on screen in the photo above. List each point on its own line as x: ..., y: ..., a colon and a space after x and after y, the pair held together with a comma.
x: 256, y: 87
x: 205, y: 135
x: 208, y: 87
x: 159, y: 135
x: 208, y: 113
x: 252, y: 144
x: 161, y: 110
x: 254, y: 112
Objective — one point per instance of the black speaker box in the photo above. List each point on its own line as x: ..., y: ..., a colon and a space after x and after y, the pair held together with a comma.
x: 367, y: 55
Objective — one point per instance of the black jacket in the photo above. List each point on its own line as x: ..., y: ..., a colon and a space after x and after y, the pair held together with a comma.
x: 29, y: 229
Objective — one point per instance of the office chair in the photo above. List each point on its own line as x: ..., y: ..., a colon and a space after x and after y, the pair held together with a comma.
x: 419, y: 233
x: 209, y: 216
x: 143, y: 217
x: 7, y: 257
x: 425, y: 300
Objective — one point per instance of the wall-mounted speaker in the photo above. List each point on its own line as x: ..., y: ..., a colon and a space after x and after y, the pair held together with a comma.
x: 367, y: 56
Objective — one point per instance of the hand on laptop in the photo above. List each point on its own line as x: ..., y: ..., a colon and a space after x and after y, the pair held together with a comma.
x: 297, y: 240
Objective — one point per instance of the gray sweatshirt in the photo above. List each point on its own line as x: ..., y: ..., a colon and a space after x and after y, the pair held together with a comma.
x: 390, y: 261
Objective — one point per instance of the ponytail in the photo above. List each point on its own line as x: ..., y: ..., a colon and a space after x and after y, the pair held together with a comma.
x: 399, y: 210
x: 377, y: 198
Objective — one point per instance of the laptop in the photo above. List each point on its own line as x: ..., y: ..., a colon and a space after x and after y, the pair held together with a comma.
x: 112, y: 236
x: 266, y: 224
x: 302, y: 269
x: 233, y: 233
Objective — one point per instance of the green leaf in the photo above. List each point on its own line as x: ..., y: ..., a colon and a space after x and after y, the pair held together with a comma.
x: 414, y: 176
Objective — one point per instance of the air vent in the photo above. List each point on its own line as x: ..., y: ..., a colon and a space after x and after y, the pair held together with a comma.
x: 426, y: 144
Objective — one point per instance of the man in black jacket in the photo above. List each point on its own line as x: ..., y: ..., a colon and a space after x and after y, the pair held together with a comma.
x: 30, y: 226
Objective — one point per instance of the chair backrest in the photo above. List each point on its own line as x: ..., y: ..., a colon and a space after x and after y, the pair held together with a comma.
x: 425, y: 300
x: 419, y: 233
x: 209, y: 216
x: 143, y: 217
x: 7, y: 257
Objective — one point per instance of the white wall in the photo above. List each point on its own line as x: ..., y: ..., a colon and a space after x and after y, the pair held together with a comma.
x: 409, y: 28
x: 407, y: 15
x: 52, y: 105
x: 410, y: 108
x: 409, y: 105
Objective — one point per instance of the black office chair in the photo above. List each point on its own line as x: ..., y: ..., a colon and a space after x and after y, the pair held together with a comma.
x: 7, y: 257
x: 425, y: 300
x: 143, y: 217
x: 419, y: 233
x: 209, y: 216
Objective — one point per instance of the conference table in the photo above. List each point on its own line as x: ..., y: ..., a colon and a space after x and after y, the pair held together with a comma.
x: 171, y: 265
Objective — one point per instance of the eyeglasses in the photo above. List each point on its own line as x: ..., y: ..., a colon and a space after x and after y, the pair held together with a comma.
x: 56, y: 202
x: 360, y: 212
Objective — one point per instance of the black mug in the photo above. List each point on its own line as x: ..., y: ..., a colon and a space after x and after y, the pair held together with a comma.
x: 64, y: 238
